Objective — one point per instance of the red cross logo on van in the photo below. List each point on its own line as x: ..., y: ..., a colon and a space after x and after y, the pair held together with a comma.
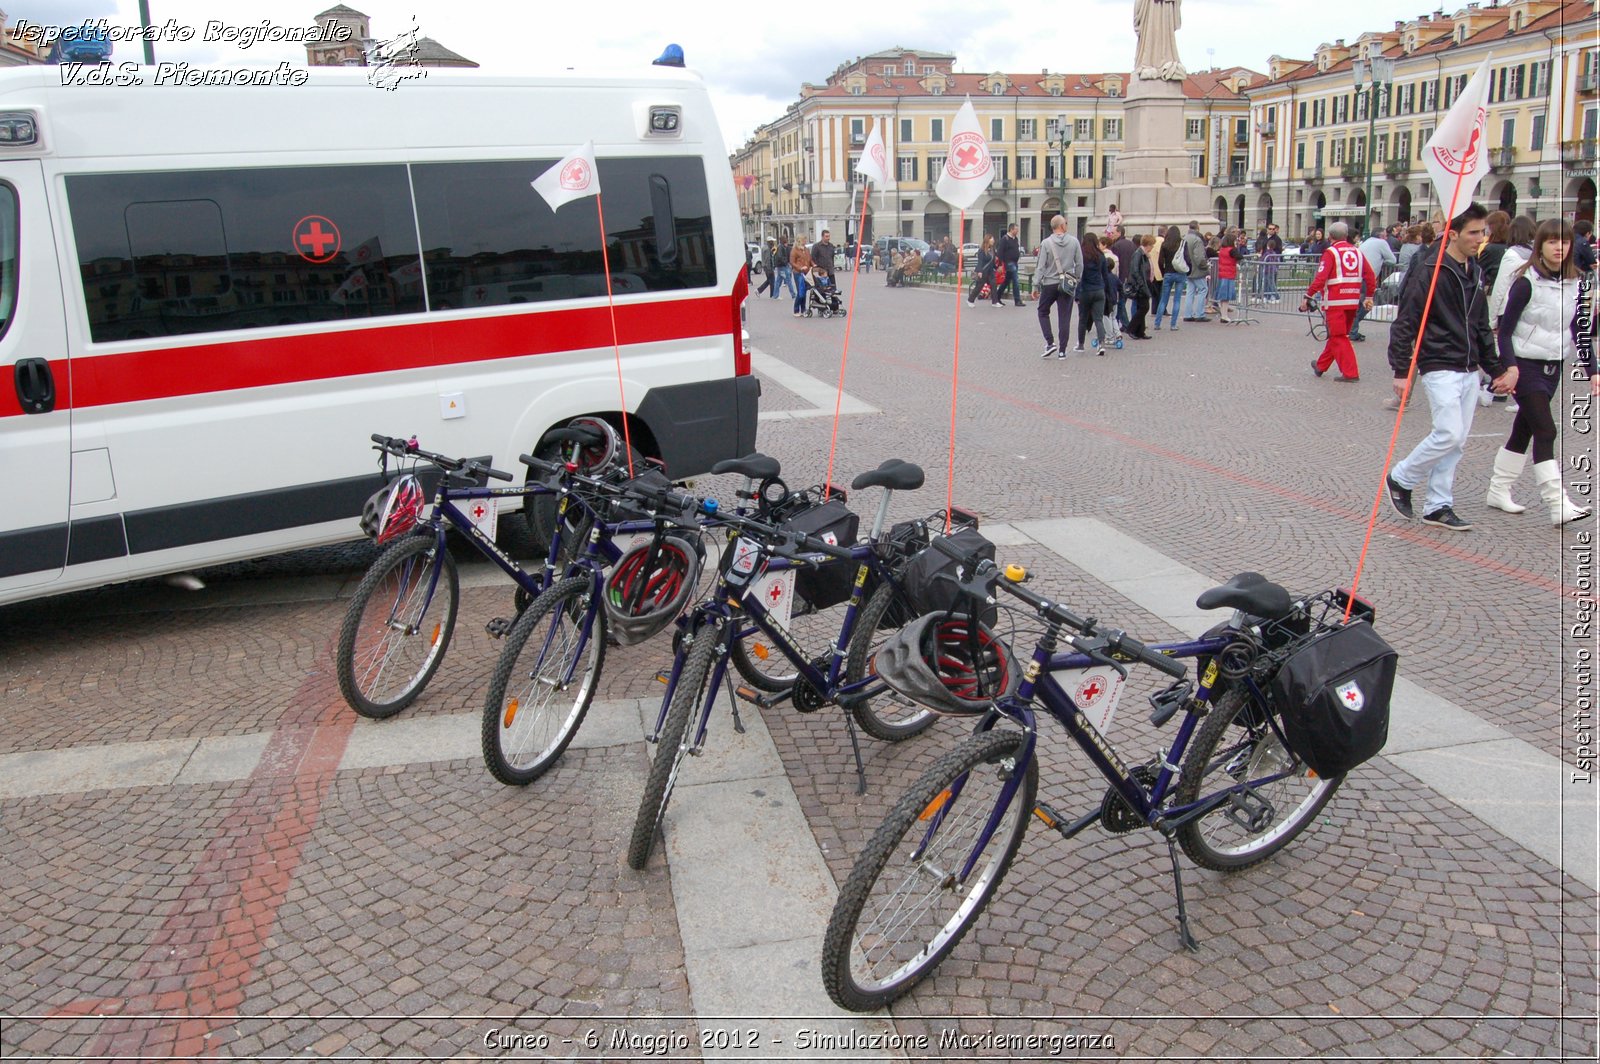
x: 316, y: 239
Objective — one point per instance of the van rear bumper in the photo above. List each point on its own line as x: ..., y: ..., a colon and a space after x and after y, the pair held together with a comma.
x: 698, y: 425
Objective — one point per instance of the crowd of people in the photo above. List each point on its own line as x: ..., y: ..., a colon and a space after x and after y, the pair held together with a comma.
x: 1513, y: 305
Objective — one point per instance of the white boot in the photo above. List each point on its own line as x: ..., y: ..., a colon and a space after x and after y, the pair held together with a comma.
x: 1507, y: 467
x: 1562, y: 509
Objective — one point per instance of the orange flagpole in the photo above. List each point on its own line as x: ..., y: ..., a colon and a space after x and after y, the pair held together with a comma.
x: 955, y: 379
x: 616, y: 346
x: 1411, y: 376
x: 849, y: 317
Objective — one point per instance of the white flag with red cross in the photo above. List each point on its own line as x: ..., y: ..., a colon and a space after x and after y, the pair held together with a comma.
x: 574, y: 177
x: 1457, y: 155
x: 874, y: 161
x: 968, y: 168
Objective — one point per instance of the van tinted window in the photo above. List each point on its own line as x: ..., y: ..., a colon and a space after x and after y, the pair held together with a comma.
x: 166, y: 254
x: 489, y: 239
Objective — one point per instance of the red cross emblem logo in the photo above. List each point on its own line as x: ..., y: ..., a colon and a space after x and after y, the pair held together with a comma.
x: 316, y: 239
x: 478, y: 511
x: 969, y: 156
x: 479, y: 293
x: 878, y: 156
x: 1466, y: 161
x: 774, y: 593
x: 1090, y: 689
x: 575, y: 175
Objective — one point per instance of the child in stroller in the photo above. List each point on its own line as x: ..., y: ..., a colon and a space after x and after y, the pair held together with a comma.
x: 822, y: 296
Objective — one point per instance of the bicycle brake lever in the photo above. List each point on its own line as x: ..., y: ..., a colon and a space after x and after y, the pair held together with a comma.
x: 1094, y: 650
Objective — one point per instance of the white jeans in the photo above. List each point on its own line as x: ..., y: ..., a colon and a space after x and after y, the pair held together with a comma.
x: 1453, y: 398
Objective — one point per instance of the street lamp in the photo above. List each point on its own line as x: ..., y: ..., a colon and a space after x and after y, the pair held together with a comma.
x: 1063, y: 142
x: 1382, y: 70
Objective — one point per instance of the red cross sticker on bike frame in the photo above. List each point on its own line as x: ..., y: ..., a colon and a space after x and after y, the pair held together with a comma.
x: 316, y: 239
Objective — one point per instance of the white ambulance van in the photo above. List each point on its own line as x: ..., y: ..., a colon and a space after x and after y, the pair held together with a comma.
x: 210, y: 296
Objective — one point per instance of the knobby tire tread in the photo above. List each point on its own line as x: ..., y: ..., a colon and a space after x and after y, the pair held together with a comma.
x: 686, y: 701
x: 344, y: 659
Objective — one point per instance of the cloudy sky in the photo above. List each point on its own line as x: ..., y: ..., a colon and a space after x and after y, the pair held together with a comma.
x: 754, y: 55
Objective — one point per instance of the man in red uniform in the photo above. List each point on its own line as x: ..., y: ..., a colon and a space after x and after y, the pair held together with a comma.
x: 1346, y: 273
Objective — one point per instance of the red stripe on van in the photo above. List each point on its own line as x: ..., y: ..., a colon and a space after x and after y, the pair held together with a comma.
x: 162, y: 373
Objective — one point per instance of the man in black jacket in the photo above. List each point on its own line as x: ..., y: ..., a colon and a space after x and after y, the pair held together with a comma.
x: 1010, y: 251
x: 1456, y: 343
x: 1123, y: 249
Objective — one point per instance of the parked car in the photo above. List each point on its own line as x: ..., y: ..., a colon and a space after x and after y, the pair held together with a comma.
x: 885, y: 245
x: 969, y: 253
x: 755, y: 256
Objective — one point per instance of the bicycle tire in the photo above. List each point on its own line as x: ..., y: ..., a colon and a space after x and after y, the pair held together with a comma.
x: 525, y: 727
x: 395, y: 588
x: 883, y: 883
x: 766, y: 668
x: 887, y: 716
x: 1217, y: 840
x: 672, y: 745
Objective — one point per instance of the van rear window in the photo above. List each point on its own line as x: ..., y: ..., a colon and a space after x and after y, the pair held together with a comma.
x: 489, y: 239
x: 180, y: 252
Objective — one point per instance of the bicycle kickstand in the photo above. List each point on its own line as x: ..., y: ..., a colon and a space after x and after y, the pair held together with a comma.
x: 855, y: 746
x: 733, y: 703
x: 1184, y: 936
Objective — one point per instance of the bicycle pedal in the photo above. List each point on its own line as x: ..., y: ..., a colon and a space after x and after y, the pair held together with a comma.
x: 747, y: 694
x: 662, y: 676
x: 498, y: 627
x: 1049, y: 817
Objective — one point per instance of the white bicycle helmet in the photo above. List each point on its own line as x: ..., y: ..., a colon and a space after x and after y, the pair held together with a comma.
x: 641, y: 599
x: 938, y: 662
x: 393, y: 510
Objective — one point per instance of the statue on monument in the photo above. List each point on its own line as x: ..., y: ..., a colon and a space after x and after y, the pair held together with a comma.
x: 1156, y: 23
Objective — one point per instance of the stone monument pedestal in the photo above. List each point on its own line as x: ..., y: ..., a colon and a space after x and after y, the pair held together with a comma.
x: 1153, y: 185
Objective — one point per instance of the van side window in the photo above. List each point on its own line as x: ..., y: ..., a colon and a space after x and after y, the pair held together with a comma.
x: 180, y: 252
x: 491, y: 240
x: 9, y: 252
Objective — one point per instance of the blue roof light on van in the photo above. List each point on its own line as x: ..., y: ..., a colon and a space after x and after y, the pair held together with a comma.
x: 671, y: 56
x: 18, y: 128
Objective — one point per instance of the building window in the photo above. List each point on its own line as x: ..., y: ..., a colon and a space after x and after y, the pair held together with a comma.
x: 1423, y: 136
x: 1536, y: 140
x: 1083, y: 166
x: 1027, y: 167
x: 1027, y: 129
x: 858, y: 130
x: 1055, y: 90
x: 997, y: 88
x: 937, y: 125
x: 997, y: 129
x: 907, y: 169
x: 1508, y: 133
x: 911, y: 67
x: 1430, y: 96
x: 1083, y: 129
x: 1052, y: 169
x: 1302, y: 114
x: 856, y: 90
x: 1300, y: 156
x: 935, y: 166
x: 928, y: 69
x: 1111, y: 129
x: 1402, y: 146
x: 1195, y: 128
x: 888, y: 71
x: 1108, y: 167
x: 1337, y: 157
x: 905, y: 131
x: 1197, y: 165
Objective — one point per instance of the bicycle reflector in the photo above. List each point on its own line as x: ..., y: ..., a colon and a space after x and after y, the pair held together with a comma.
x: 393, y: 510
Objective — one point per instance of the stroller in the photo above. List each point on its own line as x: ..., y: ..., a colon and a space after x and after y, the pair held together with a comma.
x: 822, y: 296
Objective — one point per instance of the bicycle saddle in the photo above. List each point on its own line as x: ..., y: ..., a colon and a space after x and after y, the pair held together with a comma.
x: 1250, y: 592
x: 756, y: 466
x: 896, y: 474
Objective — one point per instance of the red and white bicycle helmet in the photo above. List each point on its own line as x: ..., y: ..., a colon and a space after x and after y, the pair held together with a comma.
x: 640, y: 598
x: 938, y: 662
x: 595, y: 458
x: 393, y: 510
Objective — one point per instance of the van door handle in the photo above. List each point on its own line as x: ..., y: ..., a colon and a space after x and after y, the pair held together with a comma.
x: 36, y: 386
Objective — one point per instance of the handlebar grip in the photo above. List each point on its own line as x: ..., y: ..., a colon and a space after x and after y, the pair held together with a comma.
x: 380, y: 439
x: 539, y: 465
x: 1126, y: 644
x: 821, y: 546
x: 497, y: 474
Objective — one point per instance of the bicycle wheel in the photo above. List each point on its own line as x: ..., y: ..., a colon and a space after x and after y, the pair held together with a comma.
x: 888, y: 716
x: 757, y: 658
x: 1233, y: 745
x: 397, y: 627
x: 902, y: 909
x: 543, y: 683
x: 672, y: 745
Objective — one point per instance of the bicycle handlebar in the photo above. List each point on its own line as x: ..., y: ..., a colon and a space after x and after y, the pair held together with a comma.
x: 409, y: 449
x: 986, y: 575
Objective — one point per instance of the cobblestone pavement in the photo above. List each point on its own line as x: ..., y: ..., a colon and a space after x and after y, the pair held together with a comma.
x: 363, y: 913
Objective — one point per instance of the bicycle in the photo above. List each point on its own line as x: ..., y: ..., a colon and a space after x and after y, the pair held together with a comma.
x: 398, y: 625
x: 560, y: 639
x: 1229, y: 791
x: 710, y: 633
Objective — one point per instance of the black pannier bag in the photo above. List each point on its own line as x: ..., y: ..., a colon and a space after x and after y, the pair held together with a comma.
x: 829, y: 583
x: 930, y: 578
x: 1334, y: 694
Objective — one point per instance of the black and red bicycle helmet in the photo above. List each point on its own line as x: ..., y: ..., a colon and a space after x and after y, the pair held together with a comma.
x: 393, y: 510
x: 641, y: 597
x: 940, y: 661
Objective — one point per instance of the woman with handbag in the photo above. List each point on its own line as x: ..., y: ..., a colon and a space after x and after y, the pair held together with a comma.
x: 983, y: 276
x: 1174, y: 276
